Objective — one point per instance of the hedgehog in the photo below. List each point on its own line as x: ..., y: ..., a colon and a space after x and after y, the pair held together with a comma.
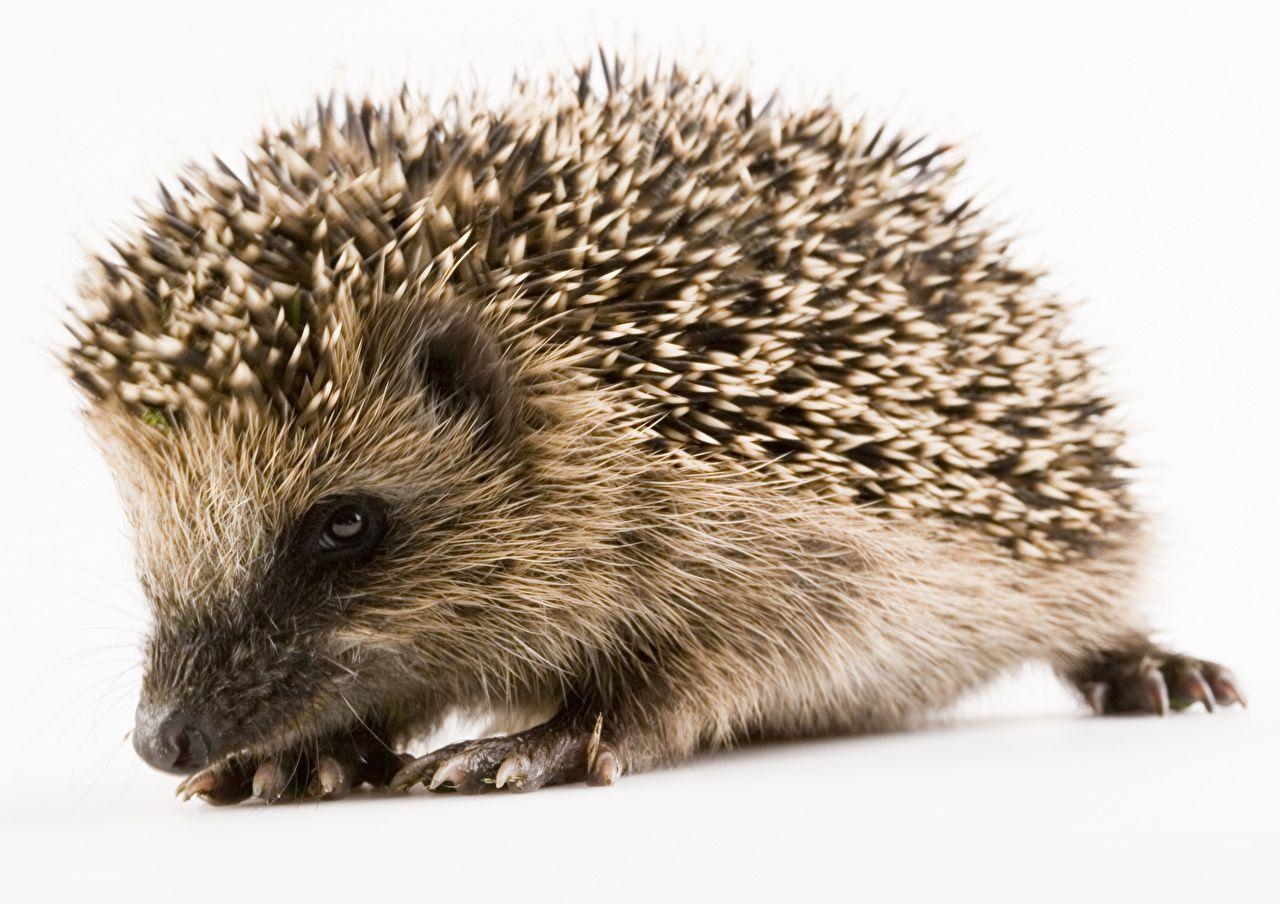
x: 629, y: 414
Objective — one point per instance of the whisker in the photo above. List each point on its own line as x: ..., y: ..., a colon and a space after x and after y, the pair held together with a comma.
x: 77, y: 595
x: 376, y: 735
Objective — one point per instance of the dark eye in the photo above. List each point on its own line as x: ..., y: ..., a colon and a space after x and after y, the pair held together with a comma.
x: 347, y: 528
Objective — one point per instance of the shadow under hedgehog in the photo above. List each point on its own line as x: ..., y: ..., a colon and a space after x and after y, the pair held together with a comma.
x: 635, y: 412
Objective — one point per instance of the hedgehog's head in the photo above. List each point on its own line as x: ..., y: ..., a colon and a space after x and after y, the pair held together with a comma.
x: 314, y: 502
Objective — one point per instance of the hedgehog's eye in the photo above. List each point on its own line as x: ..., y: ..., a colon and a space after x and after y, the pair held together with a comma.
x: 347, y: 527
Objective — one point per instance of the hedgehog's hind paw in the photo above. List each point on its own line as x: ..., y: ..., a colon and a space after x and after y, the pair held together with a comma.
x: 1154, y: 681
x: 565, y: 749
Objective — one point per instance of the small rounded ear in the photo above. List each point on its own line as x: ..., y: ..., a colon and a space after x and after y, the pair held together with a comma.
x: 462, y: 368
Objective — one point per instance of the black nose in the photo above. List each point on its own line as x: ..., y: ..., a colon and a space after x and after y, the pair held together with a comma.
x: 173, y: 742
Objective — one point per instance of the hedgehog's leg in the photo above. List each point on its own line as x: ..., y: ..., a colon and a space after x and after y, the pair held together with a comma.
x: 571, y: 747
x: 1149, y: 679
x: 1098, y: 641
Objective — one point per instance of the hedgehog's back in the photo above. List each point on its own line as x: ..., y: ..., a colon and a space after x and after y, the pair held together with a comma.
x: 786, y: 289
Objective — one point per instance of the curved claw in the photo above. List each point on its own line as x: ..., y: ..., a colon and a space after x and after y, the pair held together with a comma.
x: 412, y: 773
x: 200, y: 783
x: 1223, y: 684
x: 220, y: 785
x: 420, y: 770
x: 332, y: 779
x: 451, y: 772
x: 1188, y: 688
x: 1154, y: 690
x: 1096, y: 694
x: 606, y: 769
x: 270, y: 781
x: 514, y: 771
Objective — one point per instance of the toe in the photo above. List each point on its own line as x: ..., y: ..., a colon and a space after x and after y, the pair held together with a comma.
x: 1138, y: 687
x: 270, y: 782
x: 514, y: 771
x: 1222, y: 682
x: 420, y: 771
x: 451, y: 772
x: 221, y: 785
x: 199, y: 784
x: 332, y: 779
x: 1155, y: 693
x: 606, y: 769
x: 473, y: 770
x: 1187, y: 686
x: 1095, y: 692
x: 412, y: 773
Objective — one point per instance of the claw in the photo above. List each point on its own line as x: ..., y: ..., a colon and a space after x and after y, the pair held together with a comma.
x: 199, y: 784
x: 269, y: 782
x: 1154, y: 690
x: 606, y: 770
x: 332, y: 780
x: 452, y: 771
x: 220, y: 785
x: 1096, y: 694
x: 514, y: 770
x: 410, y: 774
x: 1189, y: 687
x: 1223, y: 684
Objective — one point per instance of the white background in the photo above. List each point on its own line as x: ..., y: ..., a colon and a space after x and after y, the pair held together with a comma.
x: 1135, y: 151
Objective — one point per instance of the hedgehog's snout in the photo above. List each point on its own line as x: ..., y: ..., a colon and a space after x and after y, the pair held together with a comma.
x: 173, y: 741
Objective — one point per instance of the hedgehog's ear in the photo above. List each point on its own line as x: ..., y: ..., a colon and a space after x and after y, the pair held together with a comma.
x: 463, y: 370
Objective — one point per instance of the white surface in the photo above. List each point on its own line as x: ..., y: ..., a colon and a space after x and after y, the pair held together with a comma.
x: 1133, y: 148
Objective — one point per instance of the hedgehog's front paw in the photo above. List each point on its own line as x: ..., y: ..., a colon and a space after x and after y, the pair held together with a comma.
x: 327, y: 771
x: 1153, y: 681
x: 566, y: 749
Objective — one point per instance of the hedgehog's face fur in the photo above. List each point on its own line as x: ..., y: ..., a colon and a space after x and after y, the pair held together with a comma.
x: 293, y: 570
